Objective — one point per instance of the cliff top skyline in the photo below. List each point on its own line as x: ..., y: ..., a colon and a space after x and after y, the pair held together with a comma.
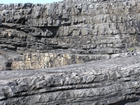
x: 27, y: 1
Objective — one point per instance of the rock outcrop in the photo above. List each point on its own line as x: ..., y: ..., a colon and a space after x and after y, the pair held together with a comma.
x: 104, y: 82
x: 70, y: 31
x: 97, y: 41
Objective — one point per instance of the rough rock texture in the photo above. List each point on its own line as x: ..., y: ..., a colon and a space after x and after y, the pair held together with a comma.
x: 105, y: 82
x: 93, y: 29
x: 39, y: 36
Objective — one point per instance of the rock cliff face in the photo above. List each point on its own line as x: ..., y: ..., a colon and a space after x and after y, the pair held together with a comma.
x: 85, y: 35
x: 67, y: 32
x: 105, y: 82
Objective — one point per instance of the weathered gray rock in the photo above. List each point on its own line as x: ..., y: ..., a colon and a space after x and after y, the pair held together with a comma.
x: 3, y: 63
x: 108, y: 82
x: 76, y: 23
x: 95, y: 29
x: 38, y: 36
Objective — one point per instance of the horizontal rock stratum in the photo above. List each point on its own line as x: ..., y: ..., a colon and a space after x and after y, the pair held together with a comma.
x: 74, y: 52
x: 105, y: 82
x: 35, y: 36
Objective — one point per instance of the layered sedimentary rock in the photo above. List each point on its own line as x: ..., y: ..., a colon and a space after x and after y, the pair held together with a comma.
x: 104, y: 82
x: 34, y: 37
x: 68, y: 30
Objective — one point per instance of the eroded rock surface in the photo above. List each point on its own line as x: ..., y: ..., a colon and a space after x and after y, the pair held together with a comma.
x: 39, y: 36
x: 67, y: 30
x: 104, y: 82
